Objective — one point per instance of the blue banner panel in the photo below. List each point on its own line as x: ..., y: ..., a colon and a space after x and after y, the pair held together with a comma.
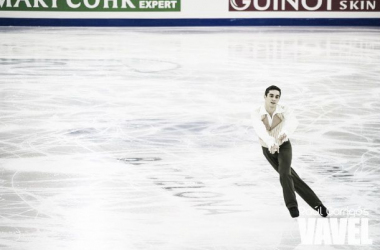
x: 190, y: 22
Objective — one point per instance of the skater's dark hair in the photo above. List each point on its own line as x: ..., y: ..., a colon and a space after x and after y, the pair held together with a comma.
x: 273, y: 87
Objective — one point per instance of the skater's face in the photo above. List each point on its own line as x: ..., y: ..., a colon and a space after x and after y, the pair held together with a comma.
x: 272, y: 98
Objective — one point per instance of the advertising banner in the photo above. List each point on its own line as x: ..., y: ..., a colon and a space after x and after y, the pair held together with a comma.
x: 90, y: 5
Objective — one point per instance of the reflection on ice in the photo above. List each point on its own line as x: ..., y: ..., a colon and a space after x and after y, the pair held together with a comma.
x: 141, y: 139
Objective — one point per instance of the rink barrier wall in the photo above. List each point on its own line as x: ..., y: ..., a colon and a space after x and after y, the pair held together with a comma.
x: 74, y: 22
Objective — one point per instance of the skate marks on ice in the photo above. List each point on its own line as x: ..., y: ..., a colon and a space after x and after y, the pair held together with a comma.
x: 45, y: 67
x: 69, y: 202
x: 184, y: 185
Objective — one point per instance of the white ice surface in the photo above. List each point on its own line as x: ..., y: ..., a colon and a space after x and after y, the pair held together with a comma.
x: 140, y: 138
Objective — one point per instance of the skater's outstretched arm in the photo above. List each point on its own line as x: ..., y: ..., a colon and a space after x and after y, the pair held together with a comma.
x: 260, y: 129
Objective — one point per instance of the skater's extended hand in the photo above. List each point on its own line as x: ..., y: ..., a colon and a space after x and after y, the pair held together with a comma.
x: 275, y: 148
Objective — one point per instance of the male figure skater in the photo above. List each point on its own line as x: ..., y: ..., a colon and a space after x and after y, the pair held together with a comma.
x: 274, y: 124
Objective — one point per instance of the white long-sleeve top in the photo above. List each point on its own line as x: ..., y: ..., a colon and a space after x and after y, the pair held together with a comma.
x: 269, y: 129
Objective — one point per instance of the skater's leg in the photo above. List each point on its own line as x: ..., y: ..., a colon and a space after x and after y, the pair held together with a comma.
x: 305, y: 191
x: 271, y: 158
x: 286, y: 178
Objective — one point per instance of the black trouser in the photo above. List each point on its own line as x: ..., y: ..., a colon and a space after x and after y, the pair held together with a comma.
x: 290, y: 181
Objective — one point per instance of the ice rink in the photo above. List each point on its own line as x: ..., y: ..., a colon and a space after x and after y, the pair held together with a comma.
x: 141, y: 138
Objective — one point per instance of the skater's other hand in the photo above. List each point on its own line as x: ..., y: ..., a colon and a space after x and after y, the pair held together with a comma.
x: 275, y: 148
x: 283, y: 138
